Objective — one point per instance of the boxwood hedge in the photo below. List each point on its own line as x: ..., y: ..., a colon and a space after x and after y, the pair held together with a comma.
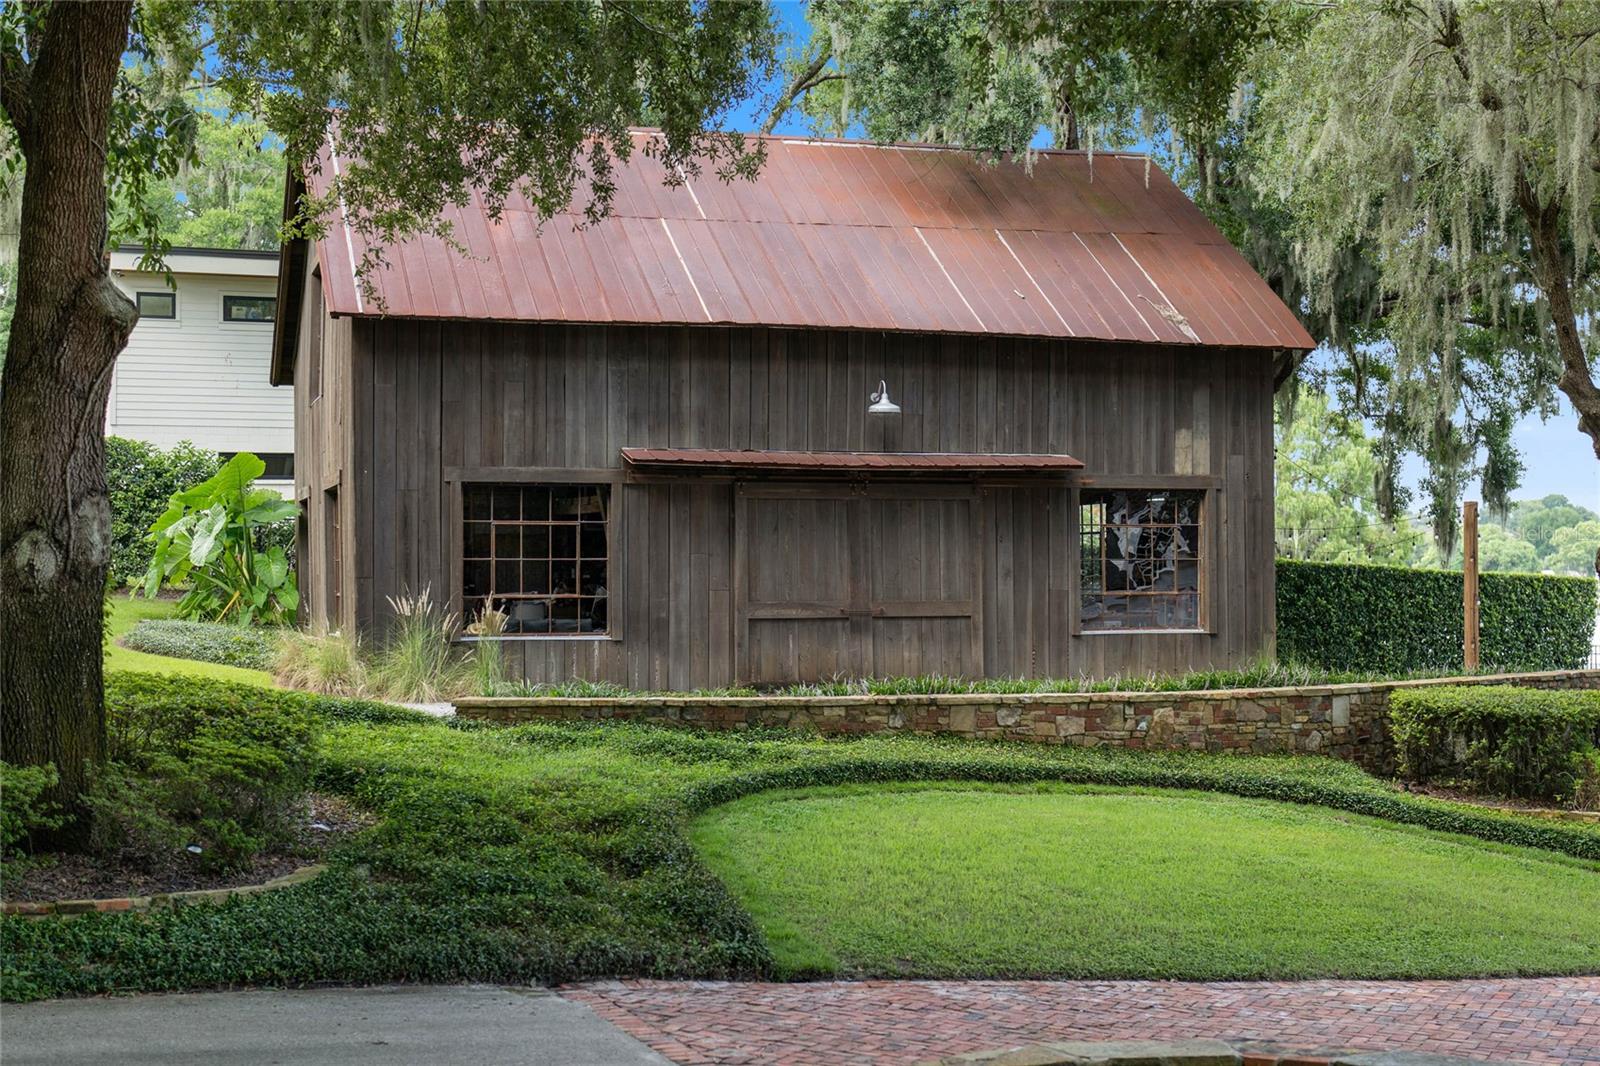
x: 1398, y: 620
x: 1496, y: 738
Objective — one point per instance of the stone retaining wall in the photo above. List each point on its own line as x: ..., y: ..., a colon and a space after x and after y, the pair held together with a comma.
x: 1347, y: 721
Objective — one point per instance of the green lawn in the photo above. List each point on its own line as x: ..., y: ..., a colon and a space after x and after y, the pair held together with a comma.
x: 128, y: 611
x: 1067, y: 881
x: 556, y: 852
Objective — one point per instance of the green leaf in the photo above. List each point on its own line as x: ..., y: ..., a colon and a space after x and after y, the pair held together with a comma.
x: 289, y: 596
x: 275, y: 509
x: 274, y: 569
x: 206, y: 531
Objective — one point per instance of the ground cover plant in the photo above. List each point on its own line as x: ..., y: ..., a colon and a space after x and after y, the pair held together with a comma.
x: 1080, y: 881
x: 255, y: 648
x: 125, y: 613
x: 551, y: 852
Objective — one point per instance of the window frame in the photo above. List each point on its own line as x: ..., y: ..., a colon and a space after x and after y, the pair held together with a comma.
x: 226, y: 321
x: 457, y: 479
x: 171, y: 294
x: 1209, y: 490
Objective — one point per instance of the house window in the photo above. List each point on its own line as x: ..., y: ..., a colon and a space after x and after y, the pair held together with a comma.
x: 157, y: 304
x: 249, y: 308
x: 538, y: 553
x: 1139, y: 555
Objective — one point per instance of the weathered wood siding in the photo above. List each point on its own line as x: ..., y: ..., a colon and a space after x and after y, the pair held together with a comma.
x: 435, y: 404
x: 323, y: 441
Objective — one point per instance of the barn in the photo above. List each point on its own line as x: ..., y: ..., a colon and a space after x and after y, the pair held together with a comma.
x: 888, y: 410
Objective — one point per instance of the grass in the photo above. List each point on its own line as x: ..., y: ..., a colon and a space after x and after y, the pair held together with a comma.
x: 1073, y: 881
x: 554, y: 852
x: 129, y: 611
x: 1262, y: 675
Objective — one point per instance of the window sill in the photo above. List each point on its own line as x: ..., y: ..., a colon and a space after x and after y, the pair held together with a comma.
x: 473, y: 638
x: 1141, y: 632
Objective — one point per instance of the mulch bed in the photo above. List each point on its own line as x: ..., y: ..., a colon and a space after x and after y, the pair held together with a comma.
x: 59, y: 876
x: 1504, y: 803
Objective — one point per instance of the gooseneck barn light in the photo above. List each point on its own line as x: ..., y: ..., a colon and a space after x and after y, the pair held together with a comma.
x: 881, y: 404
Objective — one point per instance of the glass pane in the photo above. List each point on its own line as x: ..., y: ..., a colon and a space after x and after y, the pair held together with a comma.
x: 249, y: 308
x: 157, y: 305
x: 507, y: 504
x: 591, y: 578
x: 508, y: 542
x: 563, y: 542
x: 565, y: 501
x: 475, y: 502
x: 1139, y: 560
x: 564, y: 577
x: 536, y: 503
x: 475, y: 579
x: 593, y: 506
x: 476, y: 545
x: 592, y: 539
x: 536, y: 577
x: 507, y: 577
x: 536, y: 542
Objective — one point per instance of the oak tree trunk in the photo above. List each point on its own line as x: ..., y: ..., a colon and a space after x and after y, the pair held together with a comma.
x: 1551, y: 270
x: 70, y: 322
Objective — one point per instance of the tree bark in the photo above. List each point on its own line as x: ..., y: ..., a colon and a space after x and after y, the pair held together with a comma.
x: 1554, y: 277
x: 70, y: 322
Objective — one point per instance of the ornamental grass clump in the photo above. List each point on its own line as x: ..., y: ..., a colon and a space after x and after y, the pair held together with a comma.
x: 418, y: 662
x: 488, y: 658
x: 321, y: 660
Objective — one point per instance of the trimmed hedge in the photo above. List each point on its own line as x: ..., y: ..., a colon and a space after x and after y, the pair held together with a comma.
x: 1396, y: 620
x: 207, y: 642
x: 141, y: 478
x: 1496, y: 738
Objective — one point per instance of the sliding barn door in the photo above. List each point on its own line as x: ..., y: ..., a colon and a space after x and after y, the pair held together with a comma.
x: 852, y: 581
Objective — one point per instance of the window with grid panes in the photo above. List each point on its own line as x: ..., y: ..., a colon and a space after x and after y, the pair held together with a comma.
x: 1139, y: 557
x: 539, y: 554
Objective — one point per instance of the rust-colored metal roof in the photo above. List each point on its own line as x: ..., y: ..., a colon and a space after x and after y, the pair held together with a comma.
x: 842, y: 234
x: 702, y: 460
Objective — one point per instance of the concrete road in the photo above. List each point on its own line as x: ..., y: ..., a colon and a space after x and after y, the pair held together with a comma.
x: 468, y: 1024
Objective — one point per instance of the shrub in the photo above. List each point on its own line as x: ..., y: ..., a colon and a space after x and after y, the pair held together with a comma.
x: 210, y: 538
x: 23, y: 808
x: 207, y: 642
x: 218, y: 767
x: 141, y: 479
x: 1396, y: 620
x: 1496, y: 738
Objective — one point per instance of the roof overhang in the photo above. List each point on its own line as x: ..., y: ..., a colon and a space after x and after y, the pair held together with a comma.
x: 291, y: 264
x: 847, y: 465
x: 233, y: 262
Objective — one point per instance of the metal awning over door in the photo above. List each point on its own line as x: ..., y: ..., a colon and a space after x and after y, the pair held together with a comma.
x: 856, y: 580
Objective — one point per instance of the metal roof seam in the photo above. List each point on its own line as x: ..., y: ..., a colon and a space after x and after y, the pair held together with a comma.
x: 344, y: 224
x: 1183, y: 322
x: 918, y: 231
x: 1111, y: 278
x: 668, y: 231
x: 1048, y: 302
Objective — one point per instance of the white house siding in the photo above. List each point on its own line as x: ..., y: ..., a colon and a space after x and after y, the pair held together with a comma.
x: 196, y: 377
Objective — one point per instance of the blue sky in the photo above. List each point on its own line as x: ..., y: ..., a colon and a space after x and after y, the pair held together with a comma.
x: 1558, y: 458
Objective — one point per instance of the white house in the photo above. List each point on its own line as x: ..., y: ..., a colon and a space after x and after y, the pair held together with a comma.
x: 197, y: 365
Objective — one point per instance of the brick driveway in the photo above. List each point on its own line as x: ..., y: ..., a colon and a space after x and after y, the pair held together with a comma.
x: 878, y: 1023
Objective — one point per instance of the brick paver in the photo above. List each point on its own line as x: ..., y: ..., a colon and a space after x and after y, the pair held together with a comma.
x: 886, y: 1023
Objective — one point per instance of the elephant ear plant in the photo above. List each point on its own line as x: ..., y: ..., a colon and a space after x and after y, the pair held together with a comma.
x: 209, y: 540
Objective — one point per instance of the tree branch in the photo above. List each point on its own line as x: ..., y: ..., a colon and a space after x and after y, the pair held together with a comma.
x: 806, y: 80
x: 15, y: 78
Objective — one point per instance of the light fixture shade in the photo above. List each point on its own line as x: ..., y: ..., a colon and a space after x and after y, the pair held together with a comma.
x: 881, y: 404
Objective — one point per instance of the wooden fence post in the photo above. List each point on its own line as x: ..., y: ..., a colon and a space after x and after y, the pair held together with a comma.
x: 1469, y: 584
